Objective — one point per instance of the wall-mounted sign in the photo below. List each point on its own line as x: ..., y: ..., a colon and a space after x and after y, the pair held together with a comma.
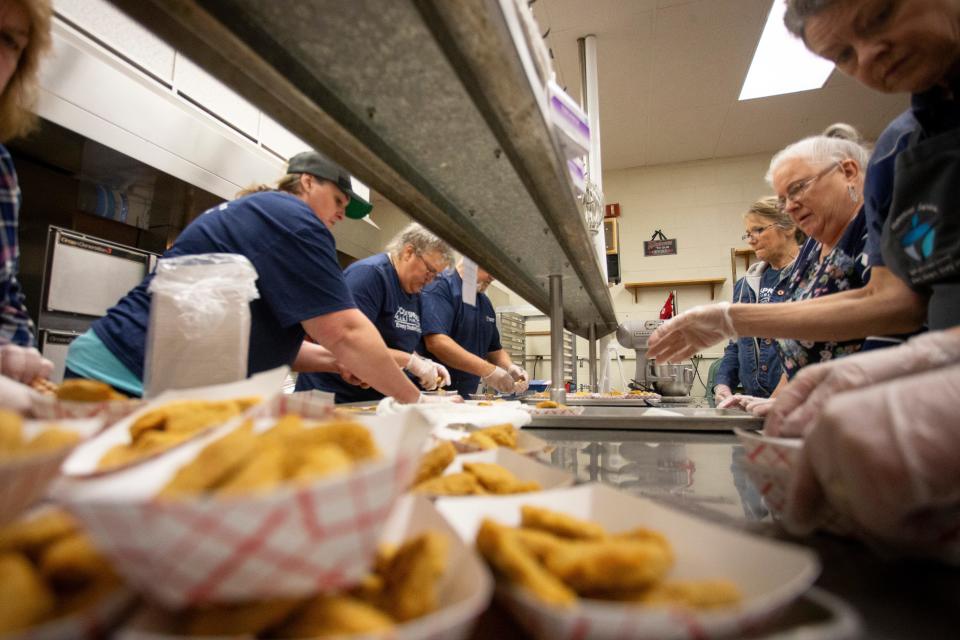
x: 660, y: 245
x: 612, y: 210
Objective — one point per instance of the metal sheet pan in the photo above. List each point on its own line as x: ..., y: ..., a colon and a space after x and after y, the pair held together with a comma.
x: 651, y: 418
x: 574, y: 401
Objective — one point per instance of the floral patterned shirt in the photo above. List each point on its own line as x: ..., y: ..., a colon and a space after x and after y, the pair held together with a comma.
x: 844, y: 268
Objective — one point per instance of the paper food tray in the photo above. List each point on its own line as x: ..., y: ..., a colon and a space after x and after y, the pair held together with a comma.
x: 296, y: 540
x: 557, y: 411
x: 24, y: 480
x: 465, y: 589
x: 770, y: 463
x: 47, y: 407
x: 447, y: 413
x: 770, y: 574
x: 524, y: 468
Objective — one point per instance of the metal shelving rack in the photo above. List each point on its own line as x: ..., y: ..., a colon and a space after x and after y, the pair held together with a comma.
x: 513, y: 336
x: 429, y: 102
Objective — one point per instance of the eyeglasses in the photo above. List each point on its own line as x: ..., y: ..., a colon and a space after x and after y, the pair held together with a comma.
x: 798, y: 188
x: 431, y: 272
x: 755, y: 232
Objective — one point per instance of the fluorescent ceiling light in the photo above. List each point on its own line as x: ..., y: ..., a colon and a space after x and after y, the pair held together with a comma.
x: 781, y: 63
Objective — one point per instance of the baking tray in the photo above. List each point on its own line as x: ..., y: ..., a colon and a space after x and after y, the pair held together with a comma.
x: 574, y: 401
x: 652, y: 419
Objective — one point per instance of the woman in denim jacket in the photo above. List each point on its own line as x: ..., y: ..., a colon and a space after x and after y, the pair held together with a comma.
x: 754, y: 362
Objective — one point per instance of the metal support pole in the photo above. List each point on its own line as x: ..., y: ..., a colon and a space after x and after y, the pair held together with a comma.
x: 592, y: 342
x: 558, y: 392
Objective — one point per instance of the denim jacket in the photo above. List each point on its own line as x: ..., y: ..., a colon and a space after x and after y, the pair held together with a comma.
x: 754, y: 362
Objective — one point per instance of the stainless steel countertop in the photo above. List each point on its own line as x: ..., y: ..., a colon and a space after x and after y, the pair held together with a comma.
x: 702, y: 473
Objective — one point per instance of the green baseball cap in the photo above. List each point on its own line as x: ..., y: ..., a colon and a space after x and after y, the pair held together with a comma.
x: 320, y: 166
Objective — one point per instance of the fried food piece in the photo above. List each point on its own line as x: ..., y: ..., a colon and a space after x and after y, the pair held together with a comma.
x: 286, y: 427
x: 504, y: 551
x: 412, y: 577
x: 334, y: 615
x: 648, y: 535
x: 238, y: 619
x: 52, y: 439
x: 560, y: 524
x: 496, y: 479
x: 369, y: 589
x: 87, y: 391
x: 692, y: 594
x: 609, y: 565
x: 547, y: 404
x: 263, y: 471
x: 480, y: 440
x: 435, y: 461
x: 80, y: 600
x: 539, y: 543
x: 73, y: 561
x: 24, y: 599
x: 316, y: 462
x: 149, y: 444
x: 352, y: 437
x: 214, y: 463
x: 504, y: 435
x: 454, y: 484
x: 186, y: 416
x: 29, y: 536
x: 11, y: 432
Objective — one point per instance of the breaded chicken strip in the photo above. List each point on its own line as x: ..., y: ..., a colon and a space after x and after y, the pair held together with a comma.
x: 497, y: 479
x: 334, y: 615
x: 411, y: 580
x: 435, y: 461
x: 216, y: 462
x: 454, y: 484
x: 609, y: 565
x: 560, y: 524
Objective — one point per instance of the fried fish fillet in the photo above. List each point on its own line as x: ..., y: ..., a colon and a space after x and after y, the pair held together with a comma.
x: 334, y: 615
x: 263, y: 471
x: 217, y: 461
x: 560, y: 524
x: 497, y: 479
x: 435, y: 461
x: 454, y: 484
x: 352, y: 437
x: 238, y: 619
x: 480, y: 440
x: 412, y: 577
x: 505, y: 435
x: 609, y: 565
x: 24, y: 598
x: 77, y: 390
x: 315, y: 462
x: 505, y: 552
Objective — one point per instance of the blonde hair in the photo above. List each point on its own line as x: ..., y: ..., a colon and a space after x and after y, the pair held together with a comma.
x: 768, y: 208
x: 17, y: 100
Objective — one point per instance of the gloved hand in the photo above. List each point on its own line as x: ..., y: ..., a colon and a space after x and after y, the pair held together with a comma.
x: 14, y: 396
x: 430, y: 374
x: 799, y: 404
x: 720, y: 393
x: 886, y: 458
x: 681, y: 337
x: 23, y: 364
x: 500, y: 380
x: 519, y: 377
x: 758, y: 407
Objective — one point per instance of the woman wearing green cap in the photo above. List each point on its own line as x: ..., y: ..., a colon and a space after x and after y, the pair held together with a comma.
x: 285, y: 233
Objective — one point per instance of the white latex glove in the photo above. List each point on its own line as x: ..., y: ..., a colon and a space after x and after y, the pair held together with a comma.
x: 690, y: 332
x: 428, y: 372
x: 720, y: 393
x: 758, y: 407
x: 14, y: 395
x: 23, y: 364
x: 500, y: 380
x: 885, y: 457
x: 519, y: 377
x: 800, y: 403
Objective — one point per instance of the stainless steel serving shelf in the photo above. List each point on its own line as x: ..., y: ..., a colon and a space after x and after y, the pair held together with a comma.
x: 651, y: 418
x: 427, y: 101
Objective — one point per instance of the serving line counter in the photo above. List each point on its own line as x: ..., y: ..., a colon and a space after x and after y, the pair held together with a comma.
x: 702, y: 473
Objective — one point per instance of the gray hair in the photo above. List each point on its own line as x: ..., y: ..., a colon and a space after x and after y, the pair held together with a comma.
x: 837, y: 143
x: 799, y: 11
x: 421, y: 240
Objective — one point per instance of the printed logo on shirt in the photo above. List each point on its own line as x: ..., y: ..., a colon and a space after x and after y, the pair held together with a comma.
x: 918, y: 238
x: 406, y: 320
x: 490, y: 319
x: 766, y: 293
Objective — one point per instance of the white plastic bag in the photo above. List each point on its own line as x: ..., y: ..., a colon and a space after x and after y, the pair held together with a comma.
x: 199, y: 330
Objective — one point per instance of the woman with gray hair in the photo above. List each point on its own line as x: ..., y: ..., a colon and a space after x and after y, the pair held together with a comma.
x: 819, y: 184
x: 775, y: 239
x: 386, y: 288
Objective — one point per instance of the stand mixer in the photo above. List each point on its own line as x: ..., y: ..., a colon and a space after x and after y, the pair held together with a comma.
x: 665, y: 379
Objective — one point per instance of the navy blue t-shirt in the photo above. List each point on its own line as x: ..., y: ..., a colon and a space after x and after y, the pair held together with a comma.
x: 472, y: 327
x: 298, y: 277
x: 396, y: 314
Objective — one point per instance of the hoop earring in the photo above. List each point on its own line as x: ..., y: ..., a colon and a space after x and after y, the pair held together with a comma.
x: 853, y: 194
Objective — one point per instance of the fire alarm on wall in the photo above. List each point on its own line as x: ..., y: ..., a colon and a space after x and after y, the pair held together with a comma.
x: 612, y: 210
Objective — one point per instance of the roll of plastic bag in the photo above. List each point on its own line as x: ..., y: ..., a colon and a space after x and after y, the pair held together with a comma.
x: 199, y: 329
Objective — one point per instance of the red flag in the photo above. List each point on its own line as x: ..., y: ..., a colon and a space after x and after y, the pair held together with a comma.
x: 667, y: 311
